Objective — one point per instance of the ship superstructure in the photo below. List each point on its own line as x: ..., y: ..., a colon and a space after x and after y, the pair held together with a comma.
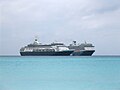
x: 83, y: 49
x: 38, y: 49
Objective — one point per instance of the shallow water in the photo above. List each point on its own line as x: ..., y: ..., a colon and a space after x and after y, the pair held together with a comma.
x: 60, y: 73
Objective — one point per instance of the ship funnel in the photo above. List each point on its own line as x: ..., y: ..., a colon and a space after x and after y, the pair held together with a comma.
x: 36, y: 41
x: 74, y: 42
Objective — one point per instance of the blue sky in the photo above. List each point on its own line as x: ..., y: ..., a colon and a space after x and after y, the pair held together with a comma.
x: 94, y: 21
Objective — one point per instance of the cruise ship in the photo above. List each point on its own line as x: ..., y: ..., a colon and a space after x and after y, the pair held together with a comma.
x: 38, y: 49
x: 83, y: 49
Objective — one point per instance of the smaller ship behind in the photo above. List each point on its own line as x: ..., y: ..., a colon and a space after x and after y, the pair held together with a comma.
x: 38, y: 49
x: 84, y: 49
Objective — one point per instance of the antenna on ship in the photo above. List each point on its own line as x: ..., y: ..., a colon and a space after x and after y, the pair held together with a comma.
x: 36, y: 40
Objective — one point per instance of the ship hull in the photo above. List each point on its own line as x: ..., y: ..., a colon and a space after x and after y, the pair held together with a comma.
x: 83, y: 53
x: 60, y: 53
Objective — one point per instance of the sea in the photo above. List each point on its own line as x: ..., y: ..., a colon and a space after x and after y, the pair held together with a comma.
x: 60, y: 73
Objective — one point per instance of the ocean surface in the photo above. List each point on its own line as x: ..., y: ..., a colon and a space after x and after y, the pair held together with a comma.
x: 60, y: 73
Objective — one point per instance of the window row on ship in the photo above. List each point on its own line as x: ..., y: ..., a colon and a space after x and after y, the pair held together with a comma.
x: 43, y: 50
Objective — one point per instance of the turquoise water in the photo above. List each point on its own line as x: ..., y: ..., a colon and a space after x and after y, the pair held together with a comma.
x: 59, y: 73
